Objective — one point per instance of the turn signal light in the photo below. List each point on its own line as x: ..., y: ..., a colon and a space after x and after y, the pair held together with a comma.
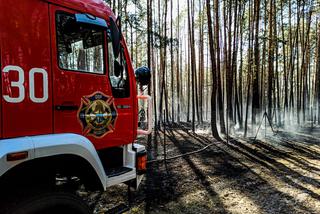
x: 17, y: 156
x: 141, y: 163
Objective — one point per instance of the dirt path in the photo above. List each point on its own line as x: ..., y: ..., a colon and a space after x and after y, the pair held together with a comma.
x: 280, y: 174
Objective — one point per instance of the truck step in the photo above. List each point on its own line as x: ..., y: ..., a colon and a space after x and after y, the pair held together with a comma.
x: 122, y: 208
x: 113, y: 172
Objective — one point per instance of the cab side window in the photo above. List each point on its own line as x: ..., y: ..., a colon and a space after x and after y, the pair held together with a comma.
x: 118, y: 73
x: 80, y: 47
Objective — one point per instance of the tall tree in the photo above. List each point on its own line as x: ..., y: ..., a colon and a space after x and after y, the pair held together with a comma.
x: 270, y: 59
x: 218, y: 73
x: 256, y: 76
x: 192, y: 59
x: 318, y: 74
x: 172, y: 60
x: 213, y: 70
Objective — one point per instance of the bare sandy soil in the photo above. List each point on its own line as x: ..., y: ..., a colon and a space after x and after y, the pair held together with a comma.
x: 280, y: 174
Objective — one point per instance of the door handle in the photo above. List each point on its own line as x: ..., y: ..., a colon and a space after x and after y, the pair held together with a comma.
x: 66, y: 107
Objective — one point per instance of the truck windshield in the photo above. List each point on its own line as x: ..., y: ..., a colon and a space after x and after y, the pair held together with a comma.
x: 80, y: 47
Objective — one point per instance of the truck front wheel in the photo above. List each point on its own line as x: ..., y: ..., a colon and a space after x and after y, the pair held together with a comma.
x: 51, y: 203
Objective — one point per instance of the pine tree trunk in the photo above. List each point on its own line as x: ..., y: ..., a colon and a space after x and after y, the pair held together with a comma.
x: 178, y: 64
x: 172, y: 59
x: 270, y: 59
x: 218, y: 74
x: 318, y: 75
x: 214, y: 81
x: 255, y: 92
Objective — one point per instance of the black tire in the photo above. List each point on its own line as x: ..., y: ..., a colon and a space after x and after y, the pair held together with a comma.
x: 51, y: 203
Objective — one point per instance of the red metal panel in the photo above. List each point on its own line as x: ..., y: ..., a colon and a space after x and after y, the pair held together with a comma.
x: 25, y: 44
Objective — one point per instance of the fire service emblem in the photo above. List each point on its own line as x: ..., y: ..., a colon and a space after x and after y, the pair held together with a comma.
x: 97, y: 115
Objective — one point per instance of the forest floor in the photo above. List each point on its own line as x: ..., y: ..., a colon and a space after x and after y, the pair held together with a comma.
x: 279, y: 174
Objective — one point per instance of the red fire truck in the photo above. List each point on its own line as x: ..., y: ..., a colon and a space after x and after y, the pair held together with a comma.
x: 69, y: 105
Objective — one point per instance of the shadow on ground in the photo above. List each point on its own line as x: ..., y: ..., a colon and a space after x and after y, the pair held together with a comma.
x: 279, y: 174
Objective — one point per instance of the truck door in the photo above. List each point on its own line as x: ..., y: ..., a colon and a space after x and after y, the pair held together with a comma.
x: 84, y: 99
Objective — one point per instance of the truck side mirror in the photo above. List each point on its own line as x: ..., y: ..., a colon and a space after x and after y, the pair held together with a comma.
x: 116, y: 37
x: 143, y: 76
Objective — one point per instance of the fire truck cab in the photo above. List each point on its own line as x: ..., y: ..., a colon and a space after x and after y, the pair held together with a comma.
x: 69, y: 104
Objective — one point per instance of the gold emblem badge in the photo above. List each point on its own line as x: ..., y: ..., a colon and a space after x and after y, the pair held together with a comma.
x: 97, y: 115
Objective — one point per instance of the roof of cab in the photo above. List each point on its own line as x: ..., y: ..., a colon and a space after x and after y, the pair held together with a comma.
x: 94, y: 7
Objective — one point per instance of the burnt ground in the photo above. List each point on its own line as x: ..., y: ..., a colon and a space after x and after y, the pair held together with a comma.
x: 279, y: 174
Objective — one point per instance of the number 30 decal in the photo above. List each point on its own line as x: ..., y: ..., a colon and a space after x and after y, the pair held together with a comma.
x: 20, y: 85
